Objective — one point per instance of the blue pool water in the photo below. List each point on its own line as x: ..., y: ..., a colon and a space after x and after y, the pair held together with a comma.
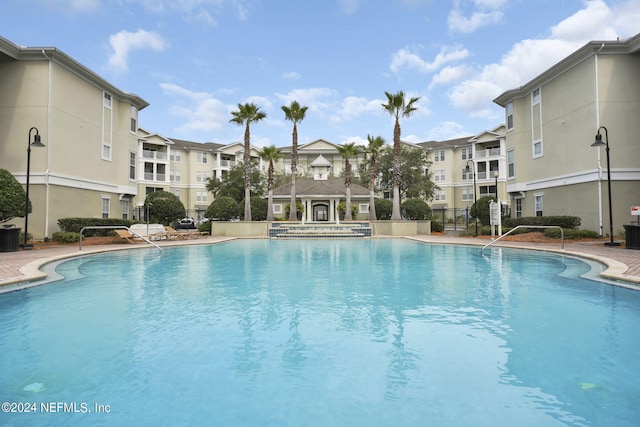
x: 319, y: 333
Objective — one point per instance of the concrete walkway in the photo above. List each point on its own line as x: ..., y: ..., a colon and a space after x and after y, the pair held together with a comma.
x: 24, y: 266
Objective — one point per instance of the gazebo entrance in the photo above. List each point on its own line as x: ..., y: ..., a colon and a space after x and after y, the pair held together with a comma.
x: 321, y: 212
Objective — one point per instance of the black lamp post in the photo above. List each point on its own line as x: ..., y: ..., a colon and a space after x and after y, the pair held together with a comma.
x: 599, y: 143
x: 36, y: 143
x: 474, y: 192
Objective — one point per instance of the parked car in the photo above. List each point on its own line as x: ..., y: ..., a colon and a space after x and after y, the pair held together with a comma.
x: 186, y: 224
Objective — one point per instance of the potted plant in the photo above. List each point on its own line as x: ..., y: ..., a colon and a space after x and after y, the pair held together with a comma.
x: 12, y: 205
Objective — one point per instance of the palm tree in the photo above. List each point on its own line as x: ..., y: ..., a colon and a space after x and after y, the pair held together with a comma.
x: 347, y: 151
x: 398, y: 106
x: 247, y: 114
x: 374, y: 147
x: 294, y: 113
x: 270, y: 154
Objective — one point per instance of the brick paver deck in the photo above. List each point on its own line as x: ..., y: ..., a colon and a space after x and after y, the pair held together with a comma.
x: 623, y: 264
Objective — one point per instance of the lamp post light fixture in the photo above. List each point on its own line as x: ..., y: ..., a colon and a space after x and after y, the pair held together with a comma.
x: 468, y: 169
x: 36, y: 143
x: 599, y: 143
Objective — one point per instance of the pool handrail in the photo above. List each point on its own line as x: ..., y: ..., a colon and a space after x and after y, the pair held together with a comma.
x: 116, y: 227
x: 528, y: 226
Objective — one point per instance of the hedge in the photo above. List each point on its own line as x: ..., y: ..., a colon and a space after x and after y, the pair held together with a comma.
x: 74, y: 225
x: 563, y: 221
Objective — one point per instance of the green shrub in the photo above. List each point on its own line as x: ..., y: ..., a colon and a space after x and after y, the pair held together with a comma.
x: 75, y: 225
x: 570, y: 233
x: 164, y: 207
x: 342, y: 208
x: 205, y: 227
x: 223, y: 208
x: 258, y: 208
x: 415, y: 209
x: 12, y: 197
x: 65, y: 237
x: 436, y: 226
x: 384, y: 208
x: 480, y: 209
x: 564, y: 221
x: 299, y: 210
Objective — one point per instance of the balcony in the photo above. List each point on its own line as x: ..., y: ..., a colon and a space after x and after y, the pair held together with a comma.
x: 489, y: 152
x: 150, y: 176
x: 151, y: 154
x: 225, y: 163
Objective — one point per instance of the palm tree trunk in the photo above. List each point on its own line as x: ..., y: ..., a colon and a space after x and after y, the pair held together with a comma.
x: 247, y: 174
x: 293, y: 212
x: 270, y: 205
x: 347, y: 211
x: 395, y: 213
x: 372, y: 199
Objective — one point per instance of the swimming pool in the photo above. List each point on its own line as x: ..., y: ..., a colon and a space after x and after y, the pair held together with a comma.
x: 321, y: 332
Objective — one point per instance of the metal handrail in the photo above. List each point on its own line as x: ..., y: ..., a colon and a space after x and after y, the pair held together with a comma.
x: 527, y: 226
x: 97, y: 227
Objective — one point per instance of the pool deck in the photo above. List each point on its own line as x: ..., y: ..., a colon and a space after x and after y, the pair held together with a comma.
x: 623, y: 264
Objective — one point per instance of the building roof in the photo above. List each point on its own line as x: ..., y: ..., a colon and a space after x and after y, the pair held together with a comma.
x: 190, y: 145
x: 451, y: 143
x: 628, y: 46
x: 321, y: 188
x: 20, y: 53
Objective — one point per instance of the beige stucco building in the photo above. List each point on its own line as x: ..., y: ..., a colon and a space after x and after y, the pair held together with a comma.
x: 551, y: 123
x: 89, y: 129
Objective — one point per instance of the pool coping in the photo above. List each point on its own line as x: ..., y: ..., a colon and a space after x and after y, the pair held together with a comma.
x: 616, y: 271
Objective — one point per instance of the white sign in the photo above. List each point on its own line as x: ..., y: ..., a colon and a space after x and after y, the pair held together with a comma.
x: 635, y: 210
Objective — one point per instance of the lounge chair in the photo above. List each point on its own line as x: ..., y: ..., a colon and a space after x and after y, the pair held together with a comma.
x: 173, y: 234
x: 128, y: 236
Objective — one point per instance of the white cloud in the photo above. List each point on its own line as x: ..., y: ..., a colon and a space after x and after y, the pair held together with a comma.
x: 200, y: 110
x: 318, y: 99
x: 124, y: 42
x: 404, y: 59
x: 294, y: 75
x: 80, y: 6
x: 485, y: 12
x: 451, y: 74
x: 353, y: 106
x: 529, y: 58
x: 447, y: 130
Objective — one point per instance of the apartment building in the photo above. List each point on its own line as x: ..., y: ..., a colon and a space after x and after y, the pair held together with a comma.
x: 551, y: 122
x: 89, y: 131
x: 454, y: 163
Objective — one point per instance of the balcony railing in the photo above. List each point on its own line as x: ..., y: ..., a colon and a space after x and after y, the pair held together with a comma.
x: 150, y: 176
x: 488, y: 152
x: 225, y: 163
x: 150, y: 154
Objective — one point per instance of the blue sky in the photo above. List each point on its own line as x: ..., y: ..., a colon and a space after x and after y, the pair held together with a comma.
x: 195, y: 60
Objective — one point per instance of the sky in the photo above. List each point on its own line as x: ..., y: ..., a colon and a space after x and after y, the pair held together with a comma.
x: 194, y: 61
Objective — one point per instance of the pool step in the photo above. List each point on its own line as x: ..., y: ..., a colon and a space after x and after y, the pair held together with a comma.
x: 322, y: 230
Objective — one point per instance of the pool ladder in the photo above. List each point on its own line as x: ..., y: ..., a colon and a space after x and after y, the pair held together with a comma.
x: 527, y: 226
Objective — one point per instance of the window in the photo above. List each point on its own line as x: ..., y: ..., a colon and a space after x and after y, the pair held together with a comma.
x: 125, y: 208
x: 538, y: 202
x: 105, y: 207
x: 201, y: 157
x: 176, y: 192
x: 439, y: 175
x: 467, y: 153
x: 363, y: 207
x: 174, y: 175
x: 511, y: 167
x: 201, y: 196
x: 438, y: 156
x: 201, y: 176
x: 134, y: 119
x: 536, y: 123
x: 107, y: 128
x: 439, y: 195
x: 509, y: 110
x: 518, y: 208
x: 277, y: 208
x: 467, y: 173
x: 132, y: 165
x: 467, y: 194
x: 107, y: 100
x: 175, y: 156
